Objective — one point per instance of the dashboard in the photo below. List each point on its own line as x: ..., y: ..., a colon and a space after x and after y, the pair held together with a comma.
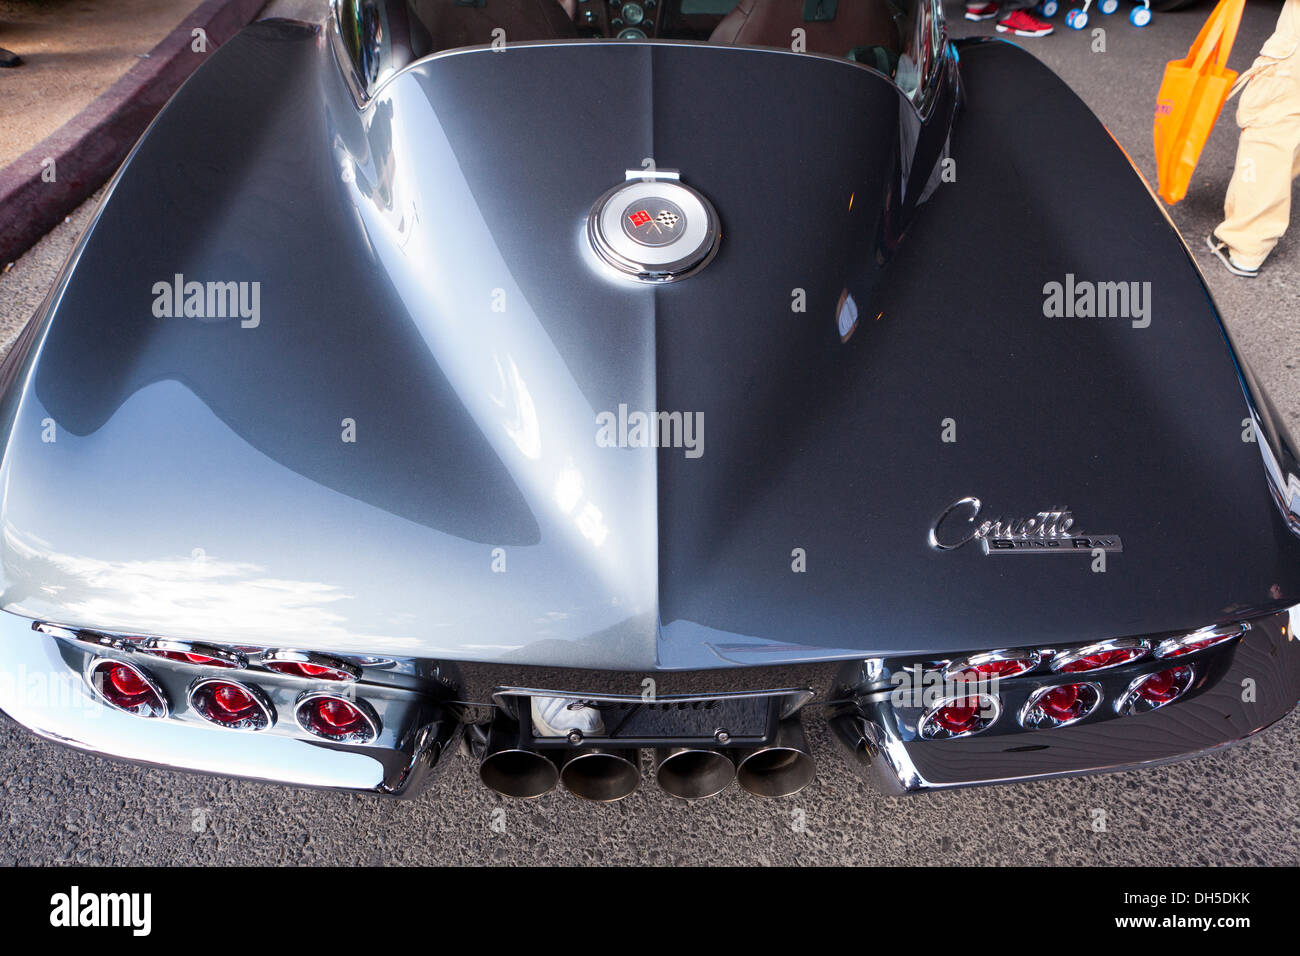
x: 621, y: 19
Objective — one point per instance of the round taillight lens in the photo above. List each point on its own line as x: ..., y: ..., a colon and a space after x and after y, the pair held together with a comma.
x: 1059, y: 706
x: 1100, y: 657
x: 1198, y: 641
x: 993, y: 665
x: 960, y: 716
x: 232, y: 705
x: 126, y: 684
x: 311, y: 666
x: 1153, y: 691
x: 334, y: 718
x: 126, y: 687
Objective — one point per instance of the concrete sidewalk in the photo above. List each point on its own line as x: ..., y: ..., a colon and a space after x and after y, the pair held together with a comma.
x: 71, y: 53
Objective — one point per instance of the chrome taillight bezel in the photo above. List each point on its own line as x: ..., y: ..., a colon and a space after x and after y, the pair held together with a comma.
x: 955, y: 670
x: 344, y: 671
x: 1131, y: 704
x: 161, y: 710
x: 1139, y: 644
x: 266, y: 710
x: 366, y: 711
x: 1175, y: 647
x: 161, y: 647
x: 1047, y: 722
x: 928, y: 729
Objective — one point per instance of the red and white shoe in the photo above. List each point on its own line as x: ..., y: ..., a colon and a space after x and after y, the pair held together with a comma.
x: 982, y: 11
x: 1024, y: 24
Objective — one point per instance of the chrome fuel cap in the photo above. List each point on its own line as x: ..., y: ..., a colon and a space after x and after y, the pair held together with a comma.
x: 654, y: 228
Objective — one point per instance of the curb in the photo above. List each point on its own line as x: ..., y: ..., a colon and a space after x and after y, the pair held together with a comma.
x: 89, y: 147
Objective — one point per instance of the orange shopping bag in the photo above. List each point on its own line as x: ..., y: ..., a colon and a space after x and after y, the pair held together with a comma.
x: 1191, y: 97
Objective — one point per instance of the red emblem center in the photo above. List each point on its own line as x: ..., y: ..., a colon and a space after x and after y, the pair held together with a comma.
x: 640, y: 218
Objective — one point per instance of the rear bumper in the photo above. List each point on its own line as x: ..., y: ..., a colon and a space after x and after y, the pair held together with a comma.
x: 42, y: 688
x: 1239, y: 690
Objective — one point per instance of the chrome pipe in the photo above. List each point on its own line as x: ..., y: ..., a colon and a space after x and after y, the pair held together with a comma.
x: 782, y: 767
x: 600, y: 774
x: 511, y: 766
x: 693, y: 773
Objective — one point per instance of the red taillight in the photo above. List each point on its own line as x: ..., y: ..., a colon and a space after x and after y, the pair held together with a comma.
x: 1153, y: 691
x: 1160, y: 688
x: 339, y: 716
x: 993, y: 665
x: 1000, y: 668
x: 301, y: 669
x: 1061, y: 703
x: 311, y: 666
x: 337, y: 719
x: 126, y: 684
x: 237, y: 706
x: 1101, y: 656
x: 233, y: 700
x: 200, y: 655
x: 960, y: 716
x: 127, y: 688
x: 1095, y: 662
x: 1059, y: 706
x: 1198, y: 641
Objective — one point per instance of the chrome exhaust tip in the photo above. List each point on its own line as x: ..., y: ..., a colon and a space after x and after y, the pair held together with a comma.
x: 780, y: 768
x: 601, y: 775
x: 692, y: 773
x: 512, y: 768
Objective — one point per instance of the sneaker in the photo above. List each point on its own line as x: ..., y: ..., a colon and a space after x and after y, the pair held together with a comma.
x: 557, y: 716
x: 1024, y: 24
x: 982, y: 11
x: 9, y: 58
x: 1224, y: 254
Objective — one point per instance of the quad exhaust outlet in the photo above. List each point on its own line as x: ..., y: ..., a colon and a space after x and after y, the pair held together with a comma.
x: 512, y: 766
x: 692, y: 773
x: 780, y: 768
x: 601, y: 775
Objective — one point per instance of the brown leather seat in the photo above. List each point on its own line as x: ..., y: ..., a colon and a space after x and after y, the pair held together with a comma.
x: 452, y: 24
x: 857, y: 23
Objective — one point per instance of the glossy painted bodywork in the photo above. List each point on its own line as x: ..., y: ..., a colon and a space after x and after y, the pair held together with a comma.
x: 423, y: 275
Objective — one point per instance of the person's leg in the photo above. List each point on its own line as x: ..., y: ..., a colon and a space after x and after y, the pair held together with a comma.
x: 982, y: 9
x: 1257, y: 207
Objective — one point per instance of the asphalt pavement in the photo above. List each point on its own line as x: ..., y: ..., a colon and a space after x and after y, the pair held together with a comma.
x: 1237, y: 806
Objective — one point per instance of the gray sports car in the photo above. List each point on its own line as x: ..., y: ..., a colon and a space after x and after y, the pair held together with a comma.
x: 562, y: 381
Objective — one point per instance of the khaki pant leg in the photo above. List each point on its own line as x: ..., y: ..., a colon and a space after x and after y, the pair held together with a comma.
x: 1257, y: 207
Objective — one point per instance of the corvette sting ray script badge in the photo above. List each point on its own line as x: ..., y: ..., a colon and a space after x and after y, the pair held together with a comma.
x: 1047, y: 532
